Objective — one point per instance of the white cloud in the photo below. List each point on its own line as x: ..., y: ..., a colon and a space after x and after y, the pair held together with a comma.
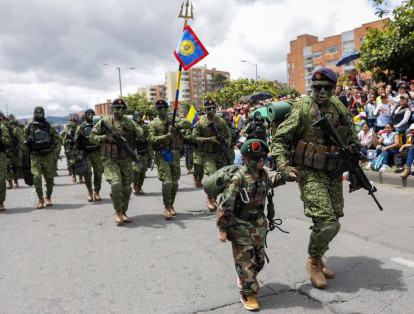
x: 75, y: 108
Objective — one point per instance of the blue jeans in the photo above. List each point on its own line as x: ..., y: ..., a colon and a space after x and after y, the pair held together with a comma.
x: 410, y: 157
x: 402, y: 129
x: 389, y: 153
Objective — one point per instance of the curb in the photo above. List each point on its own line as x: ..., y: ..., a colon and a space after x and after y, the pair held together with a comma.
x: 390, y: 178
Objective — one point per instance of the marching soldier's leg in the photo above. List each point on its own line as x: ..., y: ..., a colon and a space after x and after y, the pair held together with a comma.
x: 175, y: 173
x: 48, y: 169
x: 209, y: 168
x: 97, y: 165
x: 164, y: 175
x: 88, y: 177
x: 136, y: 176
x: 3, y: 170
x: 198, y: 169
x: 141, y: 176
x: 126, y: 173
x: 113, y: 177
x: 9, y: 174
x: 36, y: 169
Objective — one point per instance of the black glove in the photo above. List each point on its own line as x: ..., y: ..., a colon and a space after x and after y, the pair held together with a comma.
x: 285, y: 170
x: 354, y: 183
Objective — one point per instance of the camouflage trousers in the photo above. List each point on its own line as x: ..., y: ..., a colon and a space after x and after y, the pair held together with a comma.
x: 211, y: 162
x: 198, y: 165
x: 232, y: 155
x: 56, y: 153
x: 188, y: 150
x: 13, y: 165
x: 323, y: 202
x: 43, y: 165
x: 3, y: 174
x: 71, y: 161
x: 118, y: 173
x: 94, y: 160
x: 139, y: 174
x: 169, y: 174
x: 247, y: 240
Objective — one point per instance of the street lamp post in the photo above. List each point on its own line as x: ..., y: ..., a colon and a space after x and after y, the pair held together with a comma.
x: 119, y: 74
x: 251, y: 64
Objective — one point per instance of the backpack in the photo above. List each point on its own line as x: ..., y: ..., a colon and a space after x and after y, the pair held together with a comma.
x: 217, y: 182
x: 377, y: 162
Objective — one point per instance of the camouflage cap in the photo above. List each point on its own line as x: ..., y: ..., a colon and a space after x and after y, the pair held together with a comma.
x: 253, y: 147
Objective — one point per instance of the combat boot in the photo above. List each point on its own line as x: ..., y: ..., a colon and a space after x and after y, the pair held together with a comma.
x: 97, y: 197
x: 329, y: 274
x: 10, y: 186
x: 405, y: 173
x: 197, y: 183
x: 140, y: 191
x: 81, y: 180
x: 125, y: 218
x: 16, y: 184
x: 73, y: 177
x: 90, y: 195
x: 211, y: 205
x: 2, y: 208
x: 190, y: 171
x: 41, y: 202
x: 118, y: 218
x: 48, y: 201
x: 135, y: 188
x: 314, y: 267
x: 167, y: 213
x: 172, y: 211
x: 250, y: 303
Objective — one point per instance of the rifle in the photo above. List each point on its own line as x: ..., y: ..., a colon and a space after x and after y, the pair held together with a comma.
x: 189, y: 155
x: 123, y: 144
x: 223, y: 145
x: 349, y: 161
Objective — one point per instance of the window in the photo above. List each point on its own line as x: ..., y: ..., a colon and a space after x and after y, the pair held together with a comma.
x: 348, y: 46
x: 332, y: 49
x: 308, y: 61
x: 332, y: 63
x: 317, y: 55
x: 318, y: 66
x: 288, y: 65
x: 209, y: 76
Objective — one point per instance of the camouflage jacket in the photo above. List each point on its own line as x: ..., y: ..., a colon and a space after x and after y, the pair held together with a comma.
x: 202, y: 130
x: 5, y: 139
x: 53, y: 133
x: 158, y: 130
x: 256, y: 189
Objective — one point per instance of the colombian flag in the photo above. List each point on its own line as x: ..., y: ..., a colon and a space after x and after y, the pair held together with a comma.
x: 192, y: 116
x: 190, y: 50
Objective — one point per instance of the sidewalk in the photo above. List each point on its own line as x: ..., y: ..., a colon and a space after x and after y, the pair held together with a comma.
x: 389, y: 178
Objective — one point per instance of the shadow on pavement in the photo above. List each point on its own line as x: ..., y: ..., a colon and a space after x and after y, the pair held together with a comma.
x: 189, y: 189
x: 55, y: 206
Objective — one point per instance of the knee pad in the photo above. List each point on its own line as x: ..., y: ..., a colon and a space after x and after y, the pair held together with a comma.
x: 338, y: 227
x: 324, y: 231
x: 175, y: 186
x: 126, y: 190
x: 116, y: 188
x: 167, y: 186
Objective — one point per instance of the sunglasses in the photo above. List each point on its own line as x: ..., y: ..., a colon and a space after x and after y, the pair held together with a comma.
x: 318, y: 88
x: 119, y: 108
x: 212, y: 108
x: 258, y: 157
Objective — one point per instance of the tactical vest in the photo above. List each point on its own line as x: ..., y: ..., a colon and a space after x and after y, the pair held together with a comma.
x: 84, y: 133
x: 126, y: 131
x: 258, y: 131
x: 42, y: 142
x: 162, y: 129
x: 206, y: 130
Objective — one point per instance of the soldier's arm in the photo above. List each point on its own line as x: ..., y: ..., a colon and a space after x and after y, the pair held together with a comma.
x: 98, y: 134
x: 55, y: 135
x: 183, y: 124
x: 247, y: 129
x: 154, y: 139
x: 138, y: 131
x: 227, y: 132
x: 285, y: 135
x: 5, y: 136
x: 25, y: 133
x: 196, y: 135
x: 77, y: 138
x: 225, y: 210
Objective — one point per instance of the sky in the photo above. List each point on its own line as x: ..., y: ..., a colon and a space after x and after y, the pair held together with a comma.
x: 51, y: 51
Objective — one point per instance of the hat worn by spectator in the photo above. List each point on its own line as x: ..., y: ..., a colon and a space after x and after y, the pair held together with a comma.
x: 405, y: 95
x: 253, y: 147
x: 412, y: 126
x: 343, y: 99
x: 384, y: 96
x: 324, y: 74
x: 362, y: 114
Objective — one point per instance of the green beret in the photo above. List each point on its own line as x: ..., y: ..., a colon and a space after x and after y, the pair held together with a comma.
x: 254, y: 146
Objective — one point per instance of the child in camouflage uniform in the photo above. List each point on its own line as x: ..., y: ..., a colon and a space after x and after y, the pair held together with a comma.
x: 244, y: 222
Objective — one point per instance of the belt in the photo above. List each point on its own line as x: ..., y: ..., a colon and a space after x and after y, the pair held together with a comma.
x: 247, y: 216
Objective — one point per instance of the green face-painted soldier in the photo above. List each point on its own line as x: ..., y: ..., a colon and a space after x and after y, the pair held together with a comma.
x: 71, y: 148
x: 13, y: 161
x: 322, y: 196
x: 209, y: 147
x: 117, y: 165
x: 92, y: 154
x: 5, y: 142
x: 198, y: 172
x: 161, y: 134
x: 242, y: 220
x: 40, y: 138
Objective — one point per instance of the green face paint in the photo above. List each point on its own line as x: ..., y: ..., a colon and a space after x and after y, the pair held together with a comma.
x: 118, y: 112
x: 322, y: 91
x: 162, y: 112
x: 39, y: 114
x: 89, y: 117
x: 211, y: 111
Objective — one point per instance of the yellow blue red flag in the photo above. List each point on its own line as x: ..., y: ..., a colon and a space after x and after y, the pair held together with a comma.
x: 190, y: 50
x: 192, y: 116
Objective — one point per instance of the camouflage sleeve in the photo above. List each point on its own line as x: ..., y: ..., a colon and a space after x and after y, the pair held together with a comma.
x: 98, y: 134
x: 196, y: 136
x: 77, y: 139
x: 55, y: 135
x: 354, y: 134
x: 227, y: 132
x: 138, y: 131
x: 285, y: 135
x: 18, y: 133
x: 5, y: 136
x: 183, y: 124
x: 25, y: 133
x: 225, y: 210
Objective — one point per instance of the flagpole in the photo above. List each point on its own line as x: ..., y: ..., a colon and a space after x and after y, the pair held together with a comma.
x: 180, y: 68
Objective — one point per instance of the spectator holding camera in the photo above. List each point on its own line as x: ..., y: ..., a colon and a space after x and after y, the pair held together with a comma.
x: 390, y: 141
x: 401, y: 115
x: 383, y: 113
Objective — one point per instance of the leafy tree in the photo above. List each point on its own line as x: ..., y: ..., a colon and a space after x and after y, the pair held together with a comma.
x: 219, y: 81
x: 390, y: 51
x: 139, y: 103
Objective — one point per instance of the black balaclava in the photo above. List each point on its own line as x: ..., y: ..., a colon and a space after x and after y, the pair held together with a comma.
x: 39, y: 117
x: 88, y: 116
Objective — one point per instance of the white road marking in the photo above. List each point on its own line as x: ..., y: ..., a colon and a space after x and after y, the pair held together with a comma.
x: 403, y: 261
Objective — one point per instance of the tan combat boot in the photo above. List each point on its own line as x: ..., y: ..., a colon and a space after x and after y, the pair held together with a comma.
x: 73, y: 177
x: 90, y: 195
x: 41, y: 202
x: 172, y: 211
x: 125, y: 218
x: 10, y: 186
x: 314, y: 267
x: 197, y: 183
x: 211, y: 205
x: 48, y: 201
x: 190, y: 171
x: 405, y: 173
x: 140, y: 191
x: 16, y: 184
x: 81, y: 180
x: 250, y: 303
x: 167, y: 213
x: 135, y: 188
x: 2, y: 208
x: 329, y: 274
x: 97, y: 197
x: 118, y: 218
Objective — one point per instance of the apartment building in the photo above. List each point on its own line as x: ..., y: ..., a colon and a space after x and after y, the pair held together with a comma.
x: 153, y: 92
x: 307, y: 55
x: 103, y: 109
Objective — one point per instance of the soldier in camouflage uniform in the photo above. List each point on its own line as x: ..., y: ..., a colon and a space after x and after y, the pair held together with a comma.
x: 256, y: 128
x: 198, y: 172
x: 5, y: 143
x: 161, y: 135
x: 209, y: 146
x: 13, y: 161
x: 92, y: 154
x: 144, y: 152
x: 235, y: 134
x: 71, y: 149
x: 57, y: 153
x: 40, y: 138
x: 322, y: 196
x: 244, y: 222
x: 117, y: 165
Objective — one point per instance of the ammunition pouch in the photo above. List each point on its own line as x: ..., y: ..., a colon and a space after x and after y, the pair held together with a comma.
x: 314, y: 156
x: 250, y: 215
x: 92, y: 148
x: 141, y: 145
x: 208, y: 147
x: 113, y: 151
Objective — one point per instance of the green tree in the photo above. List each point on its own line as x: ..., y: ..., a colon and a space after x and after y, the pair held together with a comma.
x: 390, y: 51
x: 219, y: 81
x: 140, y: 103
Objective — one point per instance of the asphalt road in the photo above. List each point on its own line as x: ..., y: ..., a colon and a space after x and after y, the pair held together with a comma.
x: 72, y: 258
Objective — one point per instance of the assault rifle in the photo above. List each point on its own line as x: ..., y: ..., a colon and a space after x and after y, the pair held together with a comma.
x: 189, y: 155
x: 350, y: 162
x: 223, y: 145
x: 123, y: 144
